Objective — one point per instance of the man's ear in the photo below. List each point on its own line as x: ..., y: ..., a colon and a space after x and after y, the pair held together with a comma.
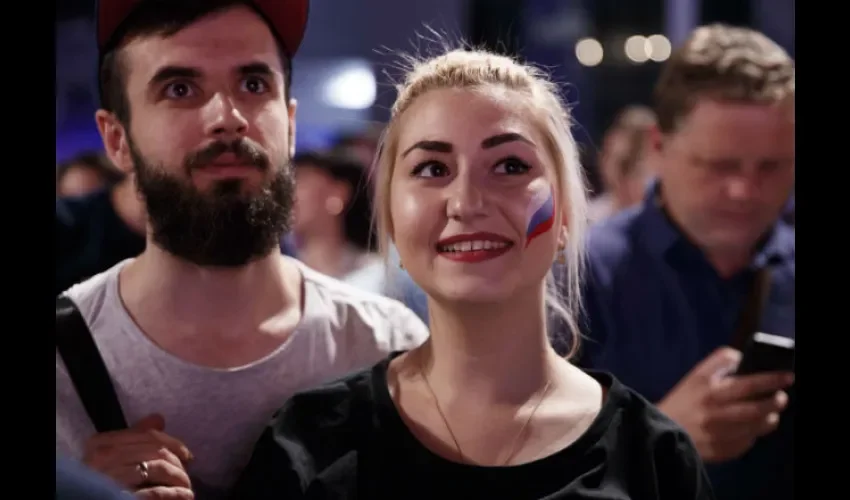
x: 292, y: 108
x: 656, y: 140
x: 115, y: 140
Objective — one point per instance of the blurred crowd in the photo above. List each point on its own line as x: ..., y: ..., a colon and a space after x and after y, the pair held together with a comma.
x: 695, y: 214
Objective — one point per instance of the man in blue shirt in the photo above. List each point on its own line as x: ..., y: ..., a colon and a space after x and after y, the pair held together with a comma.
x: 668, y: 279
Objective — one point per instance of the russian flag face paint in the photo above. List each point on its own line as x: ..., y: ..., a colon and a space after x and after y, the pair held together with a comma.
x: 541, y: 214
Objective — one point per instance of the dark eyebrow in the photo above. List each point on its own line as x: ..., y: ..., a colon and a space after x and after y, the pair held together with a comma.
x: 169, y: 72
x: 436, y: 146
x: 445, y: 147
x: 498, y: 140
x: 256, y: 68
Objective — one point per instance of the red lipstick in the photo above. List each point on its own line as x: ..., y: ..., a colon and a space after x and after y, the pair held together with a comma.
x: 474, y: 247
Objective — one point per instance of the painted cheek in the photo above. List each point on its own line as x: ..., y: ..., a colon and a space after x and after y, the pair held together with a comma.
x: 540, y: 215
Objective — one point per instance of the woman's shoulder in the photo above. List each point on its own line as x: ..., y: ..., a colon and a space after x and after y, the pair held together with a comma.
x: 333, y: 406
x: 637, y: 433
x: 634, y: 411
x: 315, y: 431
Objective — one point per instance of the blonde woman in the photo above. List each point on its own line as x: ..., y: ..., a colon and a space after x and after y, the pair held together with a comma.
x: 480, y: 189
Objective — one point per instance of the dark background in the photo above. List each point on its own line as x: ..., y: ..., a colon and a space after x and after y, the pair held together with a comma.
x: 369, y: 31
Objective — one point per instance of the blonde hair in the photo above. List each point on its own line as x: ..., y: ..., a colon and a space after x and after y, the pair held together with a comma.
x: 722, y: 62
x: 481, y: 71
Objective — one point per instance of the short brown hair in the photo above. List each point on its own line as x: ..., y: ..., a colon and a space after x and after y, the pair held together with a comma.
x: 166, y: 18
x: 722, y: 62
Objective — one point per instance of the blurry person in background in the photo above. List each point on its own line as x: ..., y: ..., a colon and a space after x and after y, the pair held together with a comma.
x: 623, y: 162
x: 332, y: 229
x: 332, y: 219
x: 671, y: 281
x: 97, y: 231
x: 362, y: 145
x: 85, y: 173
x: 358, y: 145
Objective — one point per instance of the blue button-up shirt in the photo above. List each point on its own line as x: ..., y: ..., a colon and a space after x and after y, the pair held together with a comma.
x: 655, y: 307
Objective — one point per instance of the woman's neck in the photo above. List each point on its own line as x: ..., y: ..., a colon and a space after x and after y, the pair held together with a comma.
x: 497, y: 353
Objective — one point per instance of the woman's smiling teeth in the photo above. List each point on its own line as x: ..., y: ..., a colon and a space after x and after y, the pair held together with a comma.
x: 471, y: 246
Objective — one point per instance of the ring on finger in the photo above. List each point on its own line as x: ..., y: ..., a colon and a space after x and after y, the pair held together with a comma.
x: 143, y: 471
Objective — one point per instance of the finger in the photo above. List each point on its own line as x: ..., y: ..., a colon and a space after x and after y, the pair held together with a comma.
x: 750, y: 386
x: 154, y: 421
x: 103, y: 443
x: 159, y: 473
x: 738, y: 441
x: 164, y: 493
x: 718, y: 451
x: 770, y: 424
x: 136, y: 454
x: 720, y: 362
x: 163, y: 473
x: 746, y: 418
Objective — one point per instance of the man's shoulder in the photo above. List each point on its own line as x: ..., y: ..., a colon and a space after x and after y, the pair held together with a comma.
x: 388, y: 318
x: 344, y: 293
x: 90, y: 295
x: 612, y: 240
x: 786, y: 236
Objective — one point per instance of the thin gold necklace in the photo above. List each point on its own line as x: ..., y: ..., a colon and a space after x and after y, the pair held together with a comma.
x: 515, y: 447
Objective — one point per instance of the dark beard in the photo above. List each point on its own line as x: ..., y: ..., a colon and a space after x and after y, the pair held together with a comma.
x: 223, y: 227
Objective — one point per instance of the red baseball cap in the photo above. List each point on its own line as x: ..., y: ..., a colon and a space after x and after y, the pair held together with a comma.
x: 287, y: 18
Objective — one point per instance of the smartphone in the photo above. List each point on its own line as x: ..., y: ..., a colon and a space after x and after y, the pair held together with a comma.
x: 767, y: 353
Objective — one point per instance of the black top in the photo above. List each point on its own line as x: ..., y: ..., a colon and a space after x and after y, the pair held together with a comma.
x: 90, y: 238
x: 347, y: 440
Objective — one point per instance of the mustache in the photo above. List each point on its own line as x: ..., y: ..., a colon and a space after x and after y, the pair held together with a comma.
x: 245, y: 150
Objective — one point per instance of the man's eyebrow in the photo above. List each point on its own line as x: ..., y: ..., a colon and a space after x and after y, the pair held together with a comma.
x: 498, y: 140
x: 256, y: 68
x: 169, y: 72
x: 435, y: 146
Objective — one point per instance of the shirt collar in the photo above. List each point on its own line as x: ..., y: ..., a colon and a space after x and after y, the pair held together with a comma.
x: 663, y: 238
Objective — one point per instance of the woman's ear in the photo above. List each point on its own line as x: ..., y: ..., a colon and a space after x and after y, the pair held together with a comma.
x: 564, y: 229
x: 563, y: 235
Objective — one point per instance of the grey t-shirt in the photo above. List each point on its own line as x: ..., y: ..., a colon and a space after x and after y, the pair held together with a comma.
x: 220, y: 413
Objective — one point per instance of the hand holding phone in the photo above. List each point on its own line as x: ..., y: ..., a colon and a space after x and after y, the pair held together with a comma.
x: 725, y: 415
x: 767, y: 353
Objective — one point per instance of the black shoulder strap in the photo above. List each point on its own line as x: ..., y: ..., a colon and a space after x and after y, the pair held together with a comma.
x: 86, y: 368
x: 750, y: 316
